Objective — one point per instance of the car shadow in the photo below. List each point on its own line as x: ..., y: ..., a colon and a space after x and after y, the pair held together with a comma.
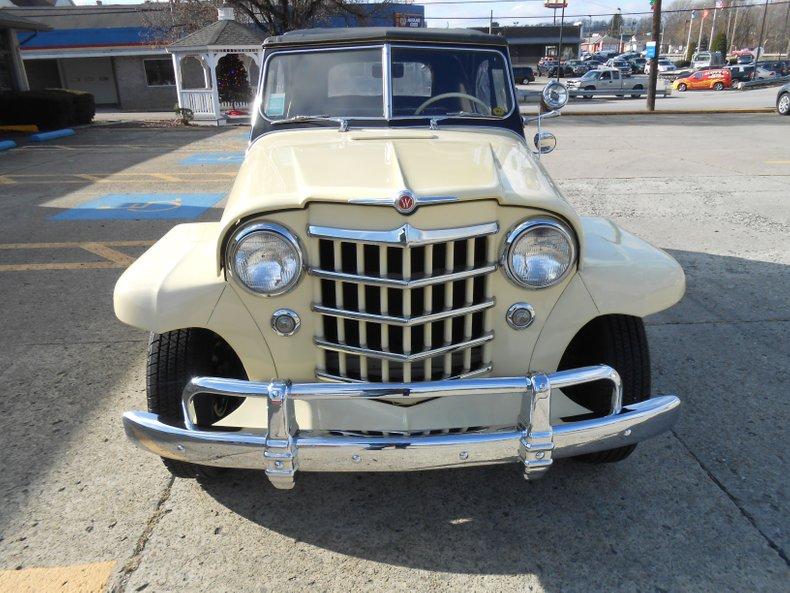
x: 659, y: 517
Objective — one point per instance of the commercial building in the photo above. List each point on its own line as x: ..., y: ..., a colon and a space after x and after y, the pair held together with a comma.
x: 529, y: 44
x: 12, y: 71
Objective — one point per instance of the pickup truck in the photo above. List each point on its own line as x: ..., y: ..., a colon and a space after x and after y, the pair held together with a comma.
x: 607, y: 79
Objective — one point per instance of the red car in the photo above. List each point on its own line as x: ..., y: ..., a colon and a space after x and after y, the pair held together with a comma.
x: 716, y: 79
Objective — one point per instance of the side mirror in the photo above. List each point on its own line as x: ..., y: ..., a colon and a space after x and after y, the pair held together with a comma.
x: 545, y: 142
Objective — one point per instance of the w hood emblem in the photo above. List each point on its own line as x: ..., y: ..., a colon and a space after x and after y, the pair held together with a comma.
x: 405, y: 203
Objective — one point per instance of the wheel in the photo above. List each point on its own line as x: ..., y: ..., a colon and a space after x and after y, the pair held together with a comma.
x: 620, y: 342
x: 589, y: 88
x: 525, y: 81
x: 637, y: 87
x: 783, y: 104
x: 174, y: 358
x: 718, y: 86
x: 682, y: 87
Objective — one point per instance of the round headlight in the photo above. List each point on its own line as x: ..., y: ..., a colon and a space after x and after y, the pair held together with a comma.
x: 554, y: 95
x: 538, y: 253
x: 265, y: 258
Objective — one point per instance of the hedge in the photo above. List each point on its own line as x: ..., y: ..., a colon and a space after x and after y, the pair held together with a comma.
x: 49, y: 109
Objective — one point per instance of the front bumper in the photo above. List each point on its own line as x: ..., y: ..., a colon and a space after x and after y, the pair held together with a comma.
x: 284, y: 449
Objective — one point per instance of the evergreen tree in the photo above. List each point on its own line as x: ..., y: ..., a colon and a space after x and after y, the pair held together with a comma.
x: 720, y: 43
x: 616, y: 25
x: 234, y: 86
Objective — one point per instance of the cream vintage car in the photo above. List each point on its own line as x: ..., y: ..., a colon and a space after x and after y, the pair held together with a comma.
x: 395, y: 283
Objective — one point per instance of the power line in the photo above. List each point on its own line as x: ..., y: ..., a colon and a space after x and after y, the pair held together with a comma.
x: 574, y: 16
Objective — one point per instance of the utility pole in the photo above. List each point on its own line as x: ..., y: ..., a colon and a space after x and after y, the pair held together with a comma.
x: 491, y: 23
x: 651, y: 88
x: 688, y: 39
x: 713, y: 25
x: 735, y: 24
x: 701, y: 24
x: 559, y: 51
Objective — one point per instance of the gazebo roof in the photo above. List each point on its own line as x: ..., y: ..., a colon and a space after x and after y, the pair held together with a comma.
x: 221, y: 33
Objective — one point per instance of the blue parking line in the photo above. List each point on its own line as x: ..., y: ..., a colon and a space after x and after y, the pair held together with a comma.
x: 213, y: 158
x: 142, y: 207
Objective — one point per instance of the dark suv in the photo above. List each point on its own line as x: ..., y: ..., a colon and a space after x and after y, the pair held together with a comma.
x: 523, y: 74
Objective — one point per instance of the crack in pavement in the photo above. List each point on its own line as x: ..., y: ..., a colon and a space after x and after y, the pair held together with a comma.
x: 133, y: 563
x: 746, y: 514
x: 718, y: 321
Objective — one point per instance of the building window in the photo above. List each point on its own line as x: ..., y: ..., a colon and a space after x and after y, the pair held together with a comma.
x: 159, y: 72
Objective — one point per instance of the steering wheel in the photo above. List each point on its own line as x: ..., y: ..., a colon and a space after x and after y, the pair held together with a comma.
x: 480, y: 102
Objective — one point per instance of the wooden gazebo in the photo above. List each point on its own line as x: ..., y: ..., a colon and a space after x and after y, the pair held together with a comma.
x: 208, y: 46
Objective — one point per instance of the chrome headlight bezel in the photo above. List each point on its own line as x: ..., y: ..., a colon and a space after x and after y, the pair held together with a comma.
x: 525, y: 227
x: 244, y: 231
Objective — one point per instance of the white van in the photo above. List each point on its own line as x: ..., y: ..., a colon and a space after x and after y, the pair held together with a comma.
x: 706, y: 59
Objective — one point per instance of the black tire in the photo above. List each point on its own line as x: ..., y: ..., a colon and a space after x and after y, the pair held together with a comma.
x: 638, y: 87
x: 718, y: 86
x: 620, y: 342
x: 174, y: 358
x: 682, y: 87
x: 783, y: 104
x: 589, y: 88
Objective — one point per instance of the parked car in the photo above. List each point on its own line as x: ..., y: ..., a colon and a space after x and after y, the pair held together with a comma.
x: 637, y: 65
x: 779, y: 67
x: 578, y: 66
x: 607, y: 79
x: 564, y: 69
x: 706, y: 58
x: 523, y: 74
x: 761, y: 73
x: 545, y: 64
x: 317, y: 326
x: 716, y: 79
x: 741, y: 72
x: 664, y: 65
x: 783, y: 100
x: 622, y: 65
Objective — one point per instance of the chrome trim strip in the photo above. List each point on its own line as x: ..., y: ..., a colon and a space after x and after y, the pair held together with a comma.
x: 394, y: 283
x: 322, y: 376
x: 403, y: 235
x: 421, y: 201
x: 402, y: 321
x: 321, y: 453
x: 392, y: 356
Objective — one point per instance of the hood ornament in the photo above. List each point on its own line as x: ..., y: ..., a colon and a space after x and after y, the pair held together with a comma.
x: 405, y: 203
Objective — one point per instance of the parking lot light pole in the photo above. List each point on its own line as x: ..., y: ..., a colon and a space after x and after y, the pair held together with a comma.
x: 653, y: 81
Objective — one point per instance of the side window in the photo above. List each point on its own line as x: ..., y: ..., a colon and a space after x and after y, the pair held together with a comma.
x: 616, y: 75
x: 606, y: 76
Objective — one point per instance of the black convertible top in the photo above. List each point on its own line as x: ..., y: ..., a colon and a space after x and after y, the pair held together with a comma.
x: 353, y: 35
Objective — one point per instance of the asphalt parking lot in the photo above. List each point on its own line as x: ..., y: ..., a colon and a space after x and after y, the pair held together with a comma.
x: 704, y: 508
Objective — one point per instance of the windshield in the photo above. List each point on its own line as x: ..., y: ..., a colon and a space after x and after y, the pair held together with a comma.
x: 350, y: 83
x: 590, y: 74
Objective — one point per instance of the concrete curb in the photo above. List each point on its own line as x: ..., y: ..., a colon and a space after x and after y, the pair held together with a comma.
x: 7, y: 144
x: 44, y: 136
x: 670, y: 112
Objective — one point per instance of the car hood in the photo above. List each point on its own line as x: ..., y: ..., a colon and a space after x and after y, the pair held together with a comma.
x: 290, y: 169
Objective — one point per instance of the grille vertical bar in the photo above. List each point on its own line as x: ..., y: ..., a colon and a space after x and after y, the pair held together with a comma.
x: 401, y: 310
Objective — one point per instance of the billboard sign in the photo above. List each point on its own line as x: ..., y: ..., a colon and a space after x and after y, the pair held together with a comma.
x: 551, y: 4
x: 409, y: 20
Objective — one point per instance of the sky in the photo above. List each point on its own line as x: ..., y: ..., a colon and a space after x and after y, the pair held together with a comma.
x: 505, y: 13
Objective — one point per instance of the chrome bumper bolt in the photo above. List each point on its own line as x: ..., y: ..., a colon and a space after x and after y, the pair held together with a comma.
x: 356, y: 458
x: 463, y: 455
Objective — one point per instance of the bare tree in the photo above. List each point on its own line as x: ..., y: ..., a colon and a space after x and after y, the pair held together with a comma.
x: 176, y: 19
x: 278, y: 16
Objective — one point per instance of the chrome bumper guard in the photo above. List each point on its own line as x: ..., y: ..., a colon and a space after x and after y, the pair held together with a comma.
x: 534, y: 442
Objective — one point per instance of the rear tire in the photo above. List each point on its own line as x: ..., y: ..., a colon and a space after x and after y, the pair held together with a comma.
x: 638, y: 87
x: 619, y: 341
x: 783, y: 104
x: 174, y: 358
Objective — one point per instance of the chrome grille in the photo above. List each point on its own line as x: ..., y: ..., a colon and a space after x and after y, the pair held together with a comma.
x: 403, y: 305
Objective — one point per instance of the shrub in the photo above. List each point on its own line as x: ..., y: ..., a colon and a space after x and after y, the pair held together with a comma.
x: 49, y: 109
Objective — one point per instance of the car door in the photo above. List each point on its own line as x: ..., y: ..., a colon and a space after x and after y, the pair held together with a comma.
x: 605, y: 80
x: 696, y: 81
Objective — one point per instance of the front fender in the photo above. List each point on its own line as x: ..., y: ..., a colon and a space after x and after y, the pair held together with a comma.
x: 174, y: 286
x: 625, y: 274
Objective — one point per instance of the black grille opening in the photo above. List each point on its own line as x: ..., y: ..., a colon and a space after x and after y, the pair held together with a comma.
x: 395, y: 301
x: 348, y: 257
x: 394, y: 262
x: 459, y: 257
x: 326, y: 255
x: 371, y: 260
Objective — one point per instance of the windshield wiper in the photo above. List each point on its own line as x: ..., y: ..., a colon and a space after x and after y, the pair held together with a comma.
x: 341, y: 121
